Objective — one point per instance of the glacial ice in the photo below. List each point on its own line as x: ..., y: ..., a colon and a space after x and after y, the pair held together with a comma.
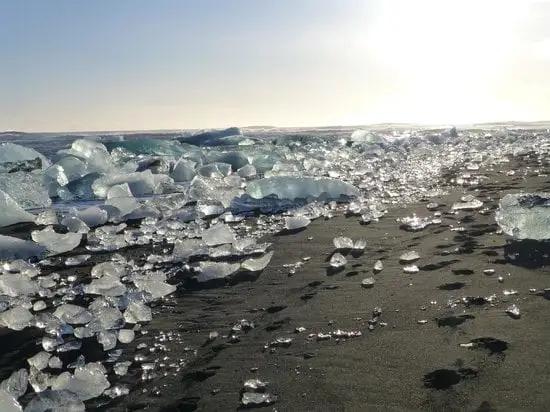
x: 93, y: 216
x: 56, y: 243
x: 12, y: 213
x: 288, y: 187
x: 137, y: 312
x: 525, y: 215
x: 73, y: 314
x: 87, y: 382
x: 216, y: 270
x: 52, y: 400
x: 27, y: 189
x: 17, y: 284
x: 140, y: 183
x: 17, y: 318
x: 14, y: 248
x: 257, y: 264
x: 8, y: 403
x: 408, y: 257
x: 184, y: 170
x: 342, y: 243
x: 120, y: 190
x: 16, y: 384
x: 338, y: 260
x: 218, y: 234
x: 296, y: 222
x: 10, y: 152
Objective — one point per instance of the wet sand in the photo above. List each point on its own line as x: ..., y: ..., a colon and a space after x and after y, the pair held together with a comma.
x: 403, y: 366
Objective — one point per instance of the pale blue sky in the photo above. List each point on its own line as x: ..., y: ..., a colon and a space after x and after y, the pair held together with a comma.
x: 164, y: 64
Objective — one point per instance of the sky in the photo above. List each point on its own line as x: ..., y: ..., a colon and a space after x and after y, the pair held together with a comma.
x: 75, y: 65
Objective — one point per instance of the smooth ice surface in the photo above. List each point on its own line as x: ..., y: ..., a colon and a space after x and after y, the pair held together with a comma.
x: 93, y: 216
x: 10, y: 152
x: 50, y: 401
x: 27, y: 189
x: 338, y: 260
x: 11, y: 213
x: 288, y: 187
x: 216, y: 270
x: 257, y: 264
x: 296, y: 222
x: 409, y: 256
x: 56, y: 243
x: 8, y: 403
x: 87, y: 382
x: 525, y: 215
x: 218, y: 234
x: 140, y: 183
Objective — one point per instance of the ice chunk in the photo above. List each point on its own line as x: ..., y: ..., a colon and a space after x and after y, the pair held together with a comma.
x: 255, y: 265
x: 105, y: 317
x: 73, y: 314
x: 56, y: 243
x: 10, y: 152
x: 21, y: 166
x: 39, y: 361
x: 11, y: 213
x: 296, y: 222
x: 409, y: 256
x: 525, y: 215
x: 8, y: 403
x: 75, y: 225
x: 410, y: 269
x: 126, y: 335
x: 247, y: 171
x: 218, y: 170
x: 156, y: 288
x: 216, y: 270
x: 378, y: 266
x: 218, y: 234
x: 368, y: 283
x: 338, y: 260
x: 255, y: 399
x: 16, y: 384
x: 17, y: 284
x: 93, y: 216
x: 27, y: 189
x: 140, y: 183
x: 288, y: 187
x: 17, y: 318
x: 415, y: 223
x: 122, y: 190
x: 49, y: 400
x: 341, y: 242
x: 360, y: 244
x: 87, y: 382
x: 107, y: 339
x: 184, y: 170
x: 468, y: 205
x: 106, y: 286
x: 113, y: 269
x: 137, y: 312
x: 48, y: 217
x: 76, y: 260
x: 14, y: 248
x: 513, y: 311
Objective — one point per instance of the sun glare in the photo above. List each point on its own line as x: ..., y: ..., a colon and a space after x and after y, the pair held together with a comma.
x: 444, y: 56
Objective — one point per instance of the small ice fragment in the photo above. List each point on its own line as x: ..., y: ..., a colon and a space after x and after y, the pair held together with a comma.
x: 432, y: 206
x: 126, y: 335
x: 16, y: 384
x: 513, y: 311
x: 213, y: 336
x: 422, y: 321
x: 121, y: 368
x: 8, y: 403
x: 255, y: 385
x: 414, y: 223
x: 409, y: 257
x: 77, y: 260
x: 216, y: 270
x: 73, y: 314
x: 251, y: 399
x: 218, y: 234
x: 255, y: 265
x: 54, y: 242
x: 468, y: 205
x: 368, y: 283
x: 39, y: 305
x: 296, y: 222
x: 55, y: 363
x: 137, y: 312
x: 488, y: 272
x: 87, y: 382
x: 17, y: 318
x: 107, y: 339
x: 338, y: 260
x: 342, y: 243
x: 360, y: 244
x: 39, y: 361
x: 410, y: 269
x: 378, y: 266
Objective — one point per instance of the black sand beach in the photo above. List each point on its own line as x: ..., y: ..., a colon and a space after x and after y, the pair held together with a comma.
x: 410, y: 359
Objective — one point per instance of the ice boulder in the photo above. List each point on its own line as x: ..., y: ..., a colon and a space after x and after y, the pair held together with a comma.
x: 525, y: 215
x: 14, y: 248
x: 10, y: 152
x: 11, y: 213
x: 289, y: 187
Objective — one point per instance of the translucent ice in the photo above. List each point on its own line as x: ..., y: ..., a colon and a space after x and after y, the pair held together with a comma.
x: 525, y: 215
x: 93, y: 216
x: 257, y: 264
x: 137, y: 312
x: 8, y: 403
x: 87, y: 382
x: 126, y: 335
x: 49, y: 400
x: 16, y: 384
x: 338, y: 260
x: 342, y: 242
x: 378, y: 266
x: 409, y: 256
x: 368, y: 282
x: 156, y: 288
x: 255, y: 399
x: 17, y: 284
x: 216, y: 270
x: 11, y: 212
x: 140, y: 183
x: 17, y: 318
x: 54, y: 242
x: 296, y: 222
x: 73, y: 314
x: 288, y: 187
x: 469, y: 205
x: 27, y: 189
x: 218, y: 235
x: 121, y: 190
x: 106, y: 286
x: 14, y: 248
x: 10, y: 152
x: 184, y: 170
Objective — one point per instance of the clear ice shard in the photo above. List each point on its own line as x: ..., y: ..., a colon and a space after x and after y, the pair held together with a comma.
x: 216, y: 270
x: 14, y: 248
x: 257, y: 264
x: 342, y: 243
x: 106, y: 286
x: 11, y: 213
x: 415, y: 223
x: 8, y: 403
x: 27, y: 189
x: 184, y: 170
x: 17, y: 318
x: 338, y: 260
x: 56, y: 243
x: 296, y: 222
x: 473, y: 204
x: 10, y: 152
x: 525, y: 215
x: 88, y: 382
x: 156, y: 288
x: 93, y: 216
x: 49, y: 400
x: 378, y: 266
x: 140, y: 183
x: 288, y: 187
x: 137, y: 312
x: 513, y: 311
x: 73, y: 314
x: 218, y: 234
x: 121, y: 190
